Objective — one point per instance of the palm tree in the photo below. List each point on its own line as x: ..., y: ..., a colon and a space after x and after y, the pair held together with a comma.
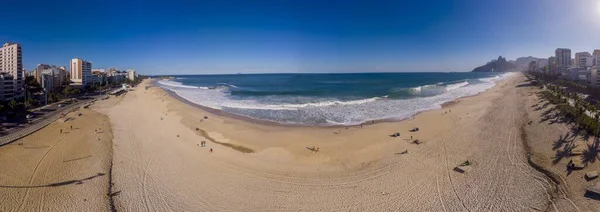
x: 27, y: 103
x: 12, y: 104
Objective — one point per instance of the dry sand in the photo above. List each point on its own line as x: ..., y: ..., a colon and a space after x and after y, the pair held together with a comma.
x: 549, y: 136
x: 53, y: 171
x: 159, y: 165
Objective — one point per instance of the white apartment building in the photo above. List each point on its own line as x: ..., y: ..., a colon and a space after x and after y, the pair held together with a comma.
x: 131, y: 74
x: 578, y: 57
x: 81, y: 72
x: 58, y: 74
x: 117, y: 77
x: 11, y: 62
x: 38, y: 72
x: 585, y: 61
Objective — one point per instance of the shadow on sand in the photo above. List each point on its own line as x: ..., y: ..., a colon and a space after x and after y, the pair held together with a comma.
x: 58, y: 184
x: 590, y: 155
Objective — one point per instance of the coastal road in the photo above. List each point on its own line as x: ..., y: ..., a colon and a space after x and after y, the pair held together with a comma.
x: 39, y: 122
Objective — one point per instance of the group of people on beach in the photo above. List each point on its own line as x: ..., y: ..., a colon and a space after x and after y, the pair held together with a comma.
x: 313, y: 149
x: 203, y: 144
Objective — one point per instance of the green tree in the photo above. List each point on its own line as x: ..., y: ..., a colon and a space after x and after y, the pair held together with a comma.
x: 69, y: 91
x: 27, y: 104
x: 53, y: 97
x: 13, y: 104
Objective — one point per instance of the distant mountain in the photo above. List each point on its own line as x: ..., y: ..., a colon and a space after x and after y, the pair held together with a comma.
x: 498, y: 65
x: 522, y: 63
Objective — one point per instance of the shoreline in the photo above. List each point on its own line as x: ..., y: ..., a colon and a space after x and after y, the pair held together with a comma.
x: 182, y: 161
x: 154, y: 82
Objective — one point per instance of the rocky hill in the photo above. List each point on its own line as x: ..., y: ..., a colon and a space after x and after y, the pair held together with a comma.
x: 498, y: 65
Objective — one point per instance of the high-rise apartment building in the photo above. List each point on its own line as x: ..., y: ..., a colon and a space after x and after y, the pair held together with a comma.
x: 578, y: 57
x: 596, y: 55
x: 131, y: 74
x: 62, y: 75
x: 38, y: 72
x: 81, y: 72
x: 563, y: 58
x: 11, y: 62
x: 552, y: 66
x: 58, y: 74
x: 7, y: 90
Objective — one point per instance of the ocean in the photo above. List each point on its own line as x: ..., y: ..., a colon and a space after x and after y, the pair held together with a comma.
x: 329, y: 99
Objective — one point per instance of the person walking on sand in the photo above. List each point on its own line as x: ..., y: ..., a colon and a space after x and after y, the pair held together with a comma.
x: 60, y: 131
x: 71, y: 127
x: 210, y: 150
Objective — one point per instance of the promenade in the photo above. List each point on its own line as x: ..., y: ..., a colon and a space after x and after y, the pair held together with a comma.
x: 40, y: 123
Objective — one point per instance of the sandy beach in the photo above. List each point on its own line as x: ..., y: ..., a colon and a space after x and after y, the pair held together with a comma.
x: 160, y: 165
x: 54, y: 171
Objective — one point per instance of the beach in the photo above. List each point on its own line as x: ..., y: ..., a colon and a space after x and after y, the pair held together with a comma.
x: 59, y: 168
x: 159, y: 163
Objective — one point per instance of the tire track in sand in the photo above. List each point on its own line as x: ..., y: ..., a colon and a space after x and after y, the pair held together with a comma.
x: 145, y: 192
x: 35, y: 170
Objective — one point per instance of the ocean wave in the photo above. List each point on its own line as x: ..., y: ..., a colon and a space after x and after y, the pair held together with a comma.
x: 272, y: 93
x: 289, y: 107
x: 226, y: 84
x: 332, y: 103
x: 420, y: 88
x: 496, y: 78
x: 171, y: 83
x: 450, y: 87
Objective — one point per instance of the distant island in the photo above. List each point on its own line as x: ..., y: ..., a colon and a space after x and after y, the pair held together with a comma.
x: 498, y: 65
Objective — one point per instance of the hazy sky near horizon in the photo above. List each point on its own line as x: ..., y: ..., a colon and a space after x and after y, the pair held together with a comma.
x: 212, y: 37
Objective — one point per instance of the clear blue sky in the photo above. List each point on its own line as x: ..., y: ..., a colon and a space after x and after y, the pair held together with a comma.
x: 197, y: 37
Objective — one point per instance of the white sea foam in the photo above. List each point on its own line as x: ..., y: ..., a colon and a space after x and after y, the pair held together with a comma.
x: 171, y: 83
x: 456, y: 85
x: 328, y: 111
x: 332, y: 103
x: 420, y: 88
x: 226, y: 84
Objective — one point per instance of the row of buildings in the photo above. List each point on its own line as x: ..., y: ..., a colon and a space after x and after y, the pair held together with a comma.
x: 80, y: 74
x: 50, y: 77
x: 582, y: 68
